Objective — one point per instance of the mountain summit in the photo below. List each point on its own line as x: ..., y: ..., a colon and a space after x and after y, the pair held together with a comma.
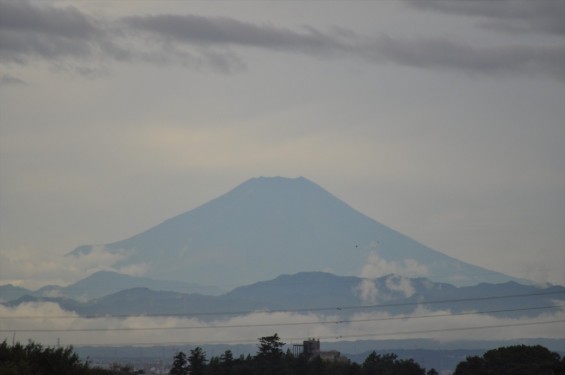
x: 269, y: 226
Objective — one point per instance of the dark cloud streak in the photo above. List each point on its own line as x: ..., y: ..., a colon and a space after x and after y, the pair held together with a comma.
x: 28, y: 31
x: 540, y: 16
x: 430, y: 53
x: 65, y: 22
x: 60, y: 35
x: 67, y: 39
x: 224, y: 31
x: 443, y: 53
x: 8, y: 79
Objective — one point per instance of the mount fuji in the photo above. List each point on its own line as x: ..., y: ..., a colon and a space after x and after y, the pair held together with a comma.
x: 269, y: 226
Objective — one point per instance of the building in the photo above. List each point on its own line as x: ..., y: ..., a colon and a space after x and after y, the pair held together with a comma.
x: 311, y: 349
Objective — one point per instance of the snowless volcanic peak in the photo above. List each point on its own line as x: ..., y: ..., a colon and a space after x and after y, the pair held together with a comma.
x: 269, y: 226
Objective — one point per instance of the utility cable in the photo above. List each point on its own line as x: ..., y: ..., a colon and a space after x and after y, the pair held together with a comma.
x: 332, y: 322
x: 328, y: 337
x: 313, y: 309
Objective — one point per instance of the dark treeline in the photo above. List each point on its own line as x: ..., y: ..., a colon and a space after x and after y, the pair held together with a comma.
x: 271, y: 359
x: 34, y: 359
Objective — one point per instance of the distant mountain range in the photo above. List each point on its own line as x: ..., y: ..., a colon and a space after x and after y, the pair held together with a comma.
x: 322, y: 293
x: 103, y: 283
x: 271, y: 226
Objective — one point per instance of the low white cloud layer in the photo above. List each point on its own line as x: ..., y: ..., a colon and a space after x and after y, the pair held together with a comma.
x: 397, y: 281
x: 46, y: 323
x: 377, y: 267
x: 400, y: 284
x: 32, y: 270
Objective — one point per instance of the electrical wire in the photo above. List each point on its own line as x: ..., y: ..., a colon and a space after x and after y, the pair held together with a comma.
x: 328, y: 337
x: 312, y: 309
x: 253, y: 325
x: 448, y: 329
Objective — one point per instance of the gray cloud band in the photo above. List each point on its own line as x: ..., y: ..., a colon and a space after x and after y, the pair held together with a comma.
x: 29, y: 31
x: 541, y: 16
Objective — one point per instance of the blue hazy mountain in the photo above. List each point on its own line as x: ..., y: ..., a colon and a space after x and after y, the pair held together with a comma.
x: 324, y: 293
x: 103, y: 283
x: 10, y: 292
x: 270, y: 226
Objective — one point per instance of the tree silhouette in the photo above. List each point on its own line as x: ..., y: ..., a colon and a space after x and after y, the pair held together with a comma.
x: 270, y: 348
x: 389, y: 364
x: 515, y: 360
x: 269, y: 358
x: 180, y: 365
x: 197, y: 361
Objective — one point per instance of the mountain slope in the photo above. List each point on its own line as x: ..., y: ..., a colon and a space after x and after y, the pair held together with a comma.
x: 103, y: 283
x: 269, y: 226
x: 10, y: 292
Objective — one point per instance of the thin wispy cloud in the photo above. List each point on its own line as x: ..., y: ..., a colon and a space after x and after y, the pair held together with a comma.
x: 8, y: 79
x: 224, y: 31
x: 69, y: 327
x: 32, y: 270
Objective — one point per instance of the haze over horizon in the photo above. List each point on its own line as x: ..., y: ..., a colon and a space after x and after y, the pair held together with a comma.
x: 442, y: 120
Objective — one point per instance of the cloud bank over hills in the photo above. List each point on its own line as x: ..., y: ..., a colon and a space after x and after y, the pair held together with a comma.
x: 297, y: 306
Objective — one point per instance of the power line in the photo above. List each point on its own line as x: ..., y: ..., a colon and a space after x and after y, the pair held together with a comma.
x: 450, y: 329
x: 328, y: 337
x: 314, y: 309
x: 327, y: 322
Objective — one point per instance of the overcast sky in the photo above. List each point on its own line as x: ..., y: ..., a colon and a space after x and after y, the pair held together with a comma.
x: 443, y: 120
